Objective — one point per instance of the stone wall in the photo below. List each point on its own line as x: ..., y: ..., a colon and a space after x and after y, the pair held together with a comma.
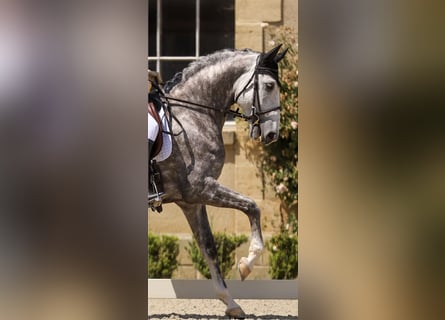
x: 254, y: 17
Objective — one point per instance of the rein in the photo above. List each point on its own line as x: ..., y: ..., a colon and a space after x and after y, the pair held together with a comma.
x: 255, y: 113
x: 235, y: 113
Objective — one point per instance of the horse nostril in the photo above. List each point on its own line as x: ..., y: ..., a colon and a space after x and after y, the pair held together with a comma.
x: 271, y: 136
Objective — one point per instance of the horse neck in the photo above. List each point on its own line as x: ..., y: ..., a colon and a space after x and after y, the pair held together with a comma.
x: 213, y: 86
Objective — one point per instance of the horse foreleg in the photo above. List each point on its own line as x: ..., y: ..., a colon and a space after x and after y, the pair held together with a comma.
x: 217, y: 195
x: 197, y: 218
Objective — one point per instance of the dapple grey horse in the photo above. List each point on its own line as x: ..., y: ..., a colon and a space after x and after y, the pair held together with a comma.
x: 200, y: 98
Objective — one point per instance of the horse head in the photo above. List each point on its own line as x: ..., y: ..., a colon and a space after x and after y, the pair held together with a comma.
x: 260, y: 96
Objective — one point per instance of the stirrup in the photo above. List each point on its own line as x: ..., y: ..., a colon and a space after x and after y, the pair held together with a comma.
x: 155, y: 188
x: 155, y: 199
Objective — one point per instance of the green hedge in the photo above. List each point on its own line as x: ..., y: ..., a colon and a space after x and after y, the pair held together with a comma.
x: 162, y: 256
x: 283, y: 260
x: 225, y: 246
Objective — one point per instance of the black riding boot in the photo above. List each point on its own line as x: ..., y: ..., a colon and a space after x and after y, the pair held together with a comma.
x: 155, y: 186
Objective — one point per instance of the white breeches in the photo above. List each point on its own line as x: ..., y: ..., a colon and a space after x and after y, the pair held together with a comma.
x: 153, y: 128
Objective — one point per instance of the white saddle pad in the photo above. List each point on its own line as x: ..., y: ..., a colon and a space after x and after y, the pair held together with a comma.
x: 166, y: 149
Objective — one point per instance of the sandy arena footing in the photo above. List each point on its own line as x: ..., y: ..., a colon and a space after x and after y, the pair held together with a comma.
x: 210, y: 309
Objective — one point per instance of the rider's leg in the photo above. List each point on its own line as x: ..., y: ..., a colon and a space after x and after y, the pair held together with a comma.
x: 152, y: 134
x: 151, y: 191
x: 150, y: 147
x: 153, y: 128
x: 155, y: 186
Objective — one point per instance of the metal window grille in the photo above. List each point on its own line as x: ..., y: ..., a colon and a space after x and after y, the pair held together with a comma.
x: 159, y: 57
x: 209, y: 24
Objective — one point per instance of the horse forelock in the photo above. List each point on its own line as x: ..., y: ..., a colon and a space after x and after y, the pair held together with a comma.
x: 218, y: 59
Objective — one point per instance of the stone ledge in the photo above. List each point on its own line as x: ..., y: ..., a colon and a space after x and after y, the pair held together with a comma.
x: 229, y: 130
x: 203, y: 289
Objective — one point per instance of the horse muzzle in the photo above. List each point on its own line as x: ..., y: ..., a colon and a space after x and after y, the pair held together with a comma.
x: 270, y: 138
x: 269, y: 132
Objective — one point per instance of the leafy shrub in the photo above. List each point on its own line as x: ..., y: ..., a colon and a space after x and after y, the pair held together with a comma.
x: 278, y: 161
x: 225, y: 247
x: 162, y: 256
x: 283, y: 260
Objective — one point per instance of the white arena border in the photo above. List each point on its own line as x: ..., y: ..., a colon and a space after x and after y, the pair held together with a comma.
x: 203, y: 289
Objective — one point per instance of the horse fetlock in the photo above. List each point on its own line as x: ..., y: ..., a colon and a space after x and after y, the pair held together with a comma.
x: 233, y: 309
x: 253, y: 254
x: 224, y: 296
x: 246, y: 264
x: 256, y: 247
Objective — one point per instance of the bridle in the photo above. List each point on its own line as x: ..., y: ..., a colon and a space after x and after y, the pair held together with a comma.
x: 255, y: 110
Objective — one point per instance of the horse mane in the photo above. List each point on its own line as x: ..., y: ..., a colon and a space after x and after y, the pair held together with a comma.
x: 201, y: 63
x: 169, y: 84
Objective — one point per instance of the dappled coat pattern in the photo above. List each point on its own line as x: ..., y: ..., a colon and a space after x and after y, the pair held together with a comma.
x: 190, y: 174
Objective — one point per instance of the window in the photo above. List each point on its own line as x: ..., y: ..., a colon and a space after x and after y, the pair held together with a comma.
x: 179, y: 31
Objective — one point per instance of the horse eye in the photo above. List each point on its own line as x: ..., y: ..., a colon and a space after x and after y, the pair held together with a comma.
x: 269, y: 86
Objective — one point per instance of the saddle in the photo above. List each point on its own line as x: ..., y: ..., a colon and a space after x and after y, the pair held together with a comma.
x: 157, y: 146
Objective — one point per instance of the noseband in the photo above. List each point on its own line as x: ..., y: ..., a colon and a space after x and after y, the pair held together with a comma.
x: 255, y: 110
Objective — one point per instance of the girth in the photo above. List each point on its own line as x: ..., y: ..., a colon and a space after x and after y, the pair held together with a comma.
x: 158, y: 142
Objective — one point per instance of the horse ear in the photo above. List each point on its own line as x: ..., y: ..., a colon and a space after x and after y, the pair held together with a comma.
x: 270, y: 55
x: 280, y: 55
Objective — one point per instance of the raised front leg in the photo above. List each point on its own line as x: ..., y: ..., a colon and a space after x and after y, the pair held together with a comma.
x: 196, y: 215
x: 217, y: 195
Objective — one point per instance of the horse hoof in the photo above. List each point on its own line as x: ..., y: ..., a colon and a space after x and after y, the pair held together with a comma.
x: 236, y: 313
x: 243, y: 269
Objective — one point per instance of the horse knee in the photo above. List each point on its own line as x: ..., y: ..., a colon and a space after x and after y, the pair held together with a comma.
x: 252, y: 208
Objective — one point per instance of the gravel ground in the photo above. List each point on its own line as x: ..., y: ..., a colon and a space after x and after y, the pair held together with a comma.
x: 176, y: 309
